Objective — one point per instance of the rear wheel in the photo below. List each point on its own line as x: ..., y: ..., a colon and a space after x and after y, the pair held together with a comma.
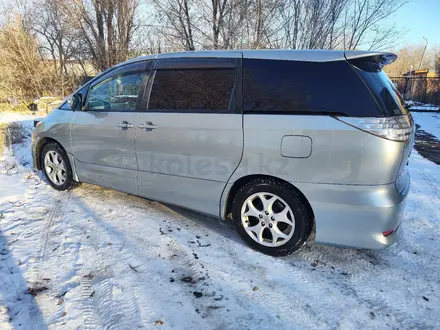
x: 271, y: 217
x: 56, y: 167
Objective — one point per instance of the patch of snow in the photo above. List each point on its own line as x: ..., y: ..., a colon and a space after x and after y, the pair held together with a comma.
x: 418, y: 106
x: 425, y: 108
x: 429, y: 122
x: 97, y: 258
x: 9, y: 116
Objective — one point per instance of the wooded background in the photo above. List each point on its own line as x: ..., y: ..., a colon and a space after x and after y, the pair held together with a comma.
x: 48, y: 46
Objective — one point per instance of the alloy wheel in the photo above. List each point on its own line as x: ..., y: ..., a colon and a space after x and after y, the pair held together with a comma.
x: 267, y: 219
x: 55, y: 168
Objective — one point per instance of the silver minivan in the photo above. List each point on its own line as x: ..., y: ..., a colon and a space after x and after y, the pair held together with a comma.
x: 281, y: 142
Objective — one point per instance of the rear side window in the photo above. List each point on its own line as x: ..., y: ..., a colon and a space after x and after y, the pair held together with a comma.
x: 275, y: 86
x: 192, y: 90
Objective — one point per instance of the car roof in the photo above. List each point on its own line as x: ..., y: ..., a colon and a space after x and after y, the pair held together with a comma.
x: 271, y: 54
x: 312, y: 55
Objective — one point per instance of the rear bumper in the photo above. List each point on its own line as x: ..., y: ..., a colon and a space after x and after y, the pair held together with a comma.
x: 357, y: 216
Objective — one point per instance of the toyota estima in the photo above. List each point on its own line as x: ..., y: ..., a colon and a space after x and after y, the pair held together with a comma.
x: 282, y: 142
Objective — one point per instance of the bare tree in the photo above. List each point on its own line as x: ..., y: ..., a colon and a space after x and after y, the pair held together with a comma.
x: 337, y: 24
x: 177, y: 21
x: 292, y: 24
x: 310, y: 24
x: 409, y: 58
x: 215, y: 16
x: 437, y: 60
x: 364, y: 23
x: 59, y: 41
x: 260, y: 22
x: 216, y: 24
x: 49, y: 22
x: 106, y: 26
x: 24, y: 73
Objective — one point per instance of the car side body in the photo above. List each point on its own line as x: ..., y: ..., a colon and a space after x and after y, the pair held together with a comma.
x: 263, y: 120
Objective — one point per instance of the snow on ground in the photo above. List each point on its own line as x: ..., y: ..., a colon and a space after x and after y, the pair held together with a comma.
x: 418, y: 106
x: 6, y: 117
x: 428, y: 121
x: 95, y: 258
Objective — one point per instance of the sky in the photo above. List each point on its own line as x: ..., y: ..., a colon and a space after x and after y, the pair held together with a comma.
x: 420, y: 18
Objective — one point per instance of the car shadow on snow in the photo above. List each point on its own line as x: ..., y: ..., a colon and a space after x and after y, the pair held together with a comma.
x: 16, y: 297
x: 172, y: 259
x: 224, y: 228
x: 310, y: 252
x: 427, y: 145
x: 314, y: 265
x: 168, y: 211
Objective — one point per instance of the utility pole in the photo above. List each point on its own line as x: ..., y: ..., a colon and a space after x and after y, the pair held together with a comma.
x: 423, y: 54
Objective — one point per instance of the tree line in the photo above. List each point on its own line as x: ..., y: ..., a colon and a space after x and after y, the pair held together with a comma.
x: 46, y: 46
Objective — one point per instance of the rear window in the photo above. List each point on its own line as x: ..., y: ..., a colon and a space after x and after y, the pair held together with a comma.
x: 276, y: 86
x: 382, y: 87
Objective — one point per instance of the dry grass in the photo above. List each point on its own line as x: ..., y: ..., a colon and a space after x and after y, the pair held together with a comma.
x: 10, y: 134
x: 22, y: 107
x: 2, y: 137
x: 15, y: 133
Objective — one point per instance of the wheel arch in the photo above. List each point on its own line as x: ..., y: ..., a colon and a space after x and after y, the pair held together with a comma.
x: 226, y: 209
x: 43, y: 141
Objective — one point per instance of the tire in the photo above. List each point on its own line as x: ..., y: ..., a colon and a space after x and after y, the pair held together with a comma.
x: 295, y: 223
x: 65, y: 181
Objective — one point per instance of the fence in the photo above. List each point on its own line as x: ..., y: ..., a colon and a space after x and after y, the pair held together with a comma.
x: 419, y: 89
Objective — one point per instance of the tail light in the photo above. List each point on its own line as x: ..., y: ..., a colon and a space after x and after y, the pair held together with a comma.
x: 397, y: 128
x: 387, y: 233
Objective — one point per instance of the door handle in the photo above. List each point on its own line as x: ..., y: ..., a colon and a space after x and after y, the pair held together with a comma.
x: 124, y: 125
x: 148, y: 126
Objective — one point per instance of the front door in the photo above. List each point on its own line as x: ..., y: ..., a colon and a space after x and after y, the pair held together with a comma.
x: 102, y: 133
x: 189, y: 140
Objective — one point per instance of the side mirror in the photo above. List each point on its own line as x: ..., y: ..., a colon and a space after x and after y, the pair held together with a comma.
x: 75, y: 102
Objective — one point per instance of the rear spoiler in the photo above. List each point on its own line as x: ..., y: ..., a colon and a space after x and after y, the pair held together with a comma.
x: 381, y: 58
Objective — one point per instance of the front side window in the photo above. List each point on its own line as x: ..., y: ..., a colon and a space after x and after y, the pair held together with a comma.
x: 192, y: 90
x: 65, y: 106
x: 116, y: 93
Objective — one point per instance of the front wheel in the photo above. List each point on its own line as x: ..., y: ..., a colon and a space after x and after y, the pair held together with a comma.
x: 56, y: 167
x: 270, y: 217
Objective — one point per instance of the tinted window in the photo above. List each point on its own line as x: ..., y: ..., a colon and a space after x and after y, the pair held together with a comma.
x: 118, y: 92
x: 381, y: 86
x: 82, y: 92
x: 192, y: 90
x: 305, y: 87
x: 65, y: 106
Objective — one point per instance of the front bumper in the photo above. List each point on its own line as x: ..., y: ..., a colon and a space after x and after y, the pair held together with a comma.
x: 34, y: 153
x: 357, y: 216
